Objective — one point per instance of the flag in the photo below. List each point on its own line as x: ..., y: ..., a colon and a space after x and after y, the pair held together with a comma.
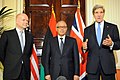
x: 34, y: 65
x: 77, y: 32
x: 52, y: 24
x: 51, y: 32
x: 42, y: 74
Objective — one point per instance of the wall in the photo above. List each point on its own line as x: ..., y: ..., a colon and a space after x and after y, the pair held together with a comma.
x: 17, y: 6
x: 112, y: 14
x: 0, y: 3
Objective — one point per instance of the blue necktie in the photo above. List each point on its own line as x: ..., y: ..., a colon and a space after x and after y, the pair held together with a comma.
x: 99, y: 34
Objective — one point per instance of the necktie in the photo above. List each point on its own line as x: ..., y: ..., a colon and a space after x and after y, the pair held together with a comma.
x: 61, y: 44
x: 21, y: 40
x: 99, y: 34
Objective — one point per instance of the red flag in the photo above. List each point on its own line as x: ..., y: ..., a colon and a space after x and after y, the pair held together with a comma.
x: 34, y: 65
x: 52, y: 23
x: 77, y: 32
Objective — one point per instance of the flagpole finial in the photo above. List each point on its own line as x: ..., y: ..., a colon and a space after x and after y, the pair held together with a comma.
x: 78, y: 3
x: 52, y: 6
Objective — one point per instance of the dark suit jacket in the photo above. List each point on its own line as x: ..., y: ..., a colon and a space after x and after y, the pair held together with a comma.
x: 11, y: 54
x: 67, y: 62
x: 101, y: 54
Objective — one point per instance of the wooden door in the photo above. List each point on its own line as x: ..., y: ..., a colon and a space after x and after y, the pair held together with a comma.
x: 39, y: 12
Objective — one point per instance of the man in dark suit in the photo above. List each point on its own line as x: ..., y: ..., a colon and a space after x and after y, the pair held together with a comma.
x: 58, y: 60
x: 101, y: 38
x: 15, y: 50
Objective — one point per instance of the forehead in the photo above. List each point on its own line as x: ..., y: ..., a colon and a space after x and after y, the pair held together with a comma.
x: 98, y: 9
x: 61, y: 23
x: 22, y: 16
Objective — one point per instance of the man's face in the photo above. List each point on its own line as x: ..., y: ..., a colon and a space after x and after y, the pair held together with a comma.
x: 22, y: 21
x: 62, y: 29
x: 98, y: 15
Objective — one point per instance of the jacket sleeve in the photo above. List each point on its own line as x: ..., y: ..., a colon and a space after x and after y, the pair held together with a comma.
x: 3, y: 43
x: 76, y: 58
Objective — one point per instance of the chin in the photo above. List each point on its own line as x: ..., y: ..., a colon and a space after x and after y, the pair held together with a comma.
x: 62, y: 35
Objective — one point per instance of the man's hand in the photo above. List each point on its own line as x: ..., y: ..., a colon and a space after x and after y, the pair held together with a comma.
x: 47, y: 77
x: 84, y: 45
x: 107, y: 41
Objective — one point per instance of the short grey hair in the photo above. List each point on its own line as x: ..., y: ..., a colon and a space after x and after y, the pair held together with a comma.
x: 97, y: 7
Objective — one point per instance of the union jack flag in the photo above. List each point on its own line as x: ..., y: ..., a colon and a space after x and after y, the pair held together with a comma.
x: 77, y: 32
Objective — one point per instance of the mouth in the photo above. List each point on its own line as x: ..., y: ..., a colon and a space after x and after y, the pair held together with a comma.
x: 98, y: 18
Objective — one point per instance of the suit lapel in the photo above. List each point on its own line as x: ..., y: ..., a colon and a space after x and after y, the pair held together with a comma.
x: 57, y: 45
x: 105, y: 31
x: 27, y: 41
x: 66, y: 43
x: 18, y: 46
x: 65, y: 46
x: 94, y: 33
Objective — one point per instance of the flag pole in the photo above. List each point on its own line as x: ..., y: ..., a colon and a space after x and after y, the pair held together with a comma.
x: 53, y: 10
x: 78, y: 4
x: 52, y: 22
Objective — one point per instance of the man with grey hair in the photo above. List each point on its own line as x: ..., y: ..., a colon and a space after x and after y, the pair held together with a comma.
x: 100, y: 39
x: 61, y: 56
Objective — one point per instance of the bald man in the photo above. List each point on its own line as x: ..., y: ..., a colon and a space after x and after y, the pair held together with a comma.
x: 59, y: 61
x: 15, y: 51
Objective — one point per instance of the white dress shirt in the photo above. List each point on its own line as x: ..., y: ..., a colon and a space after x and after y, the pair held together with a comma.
x: 59, y: 40
x: 23, y: 34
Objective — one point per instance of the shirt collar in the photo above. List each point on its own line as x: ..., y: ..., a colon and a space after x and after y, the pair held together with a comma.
x: 101, y: 23
x: 62, y: 37
x: 18, y: 30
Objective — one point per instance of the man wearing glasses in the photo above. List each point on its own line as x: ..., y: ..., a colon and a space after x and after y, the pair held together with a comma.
x: 62, y: 56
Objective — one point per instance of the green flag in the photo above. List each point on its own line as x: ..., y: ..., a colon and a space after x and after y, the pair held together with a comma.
x: 42, y: 74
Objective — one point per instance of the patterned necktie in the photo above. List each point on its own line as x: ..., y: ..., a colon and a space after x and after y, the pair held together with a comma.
x: 61, y: 45
x: 21, y: 40
x: 99, y: 34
